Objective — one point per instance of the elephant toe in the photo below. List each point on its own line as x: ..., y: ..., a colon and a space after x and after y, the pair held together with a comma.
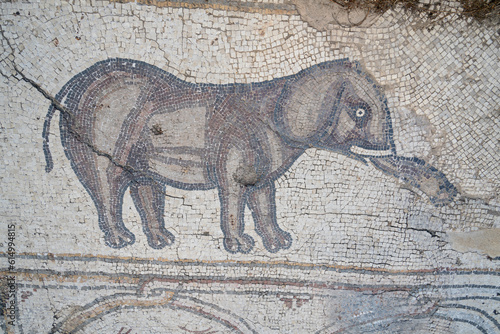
x: 119, y: 240
x: 159, y: 239
x: 283, y: 240
x: 231, y: 245
x: 242, y: 244
x: 246, y: 243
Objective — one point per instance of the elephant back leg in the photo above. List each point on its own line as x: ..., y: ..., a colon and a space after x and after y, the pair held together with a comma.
x: 107, y: 122
x: 149, y: 199
x: 106, y: 184
x: 115, y: 181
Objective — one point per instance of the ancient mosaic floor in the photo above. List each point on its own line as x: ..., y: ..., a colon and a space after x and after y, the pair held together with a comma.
x: 271, y: 166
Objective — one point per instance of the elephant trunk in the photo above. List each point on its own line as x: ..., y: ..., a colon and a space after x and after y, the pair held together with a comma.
x: 418, y: 174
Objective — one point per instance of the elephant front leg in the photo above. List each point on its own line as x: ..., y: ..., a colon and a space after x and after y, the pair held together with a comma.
x: 262, y: 203
x: 232, y: 195
x: 149, y: 199
x: 233, y: 204
x: 418, y: 174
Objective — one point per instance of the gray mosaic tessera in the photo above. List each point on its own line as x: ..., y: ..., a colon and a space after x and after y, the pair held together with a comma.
x: 272, y: 166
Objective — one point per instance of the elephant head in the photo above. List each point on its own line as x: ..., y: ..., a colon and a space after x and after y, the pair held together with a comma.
x: 338, y: 107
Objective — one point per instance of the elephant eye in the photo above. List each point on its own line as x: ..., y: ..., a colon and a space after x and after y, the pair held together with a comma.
x: 360, y: 112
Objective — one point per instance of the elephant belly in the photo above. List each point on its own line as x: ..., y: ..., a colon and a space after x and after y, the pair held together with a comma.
x: 178, y: 140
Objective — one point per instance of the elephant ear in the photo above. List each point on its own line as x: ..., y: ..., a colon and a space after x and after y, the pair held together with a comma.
x: 305, y: 111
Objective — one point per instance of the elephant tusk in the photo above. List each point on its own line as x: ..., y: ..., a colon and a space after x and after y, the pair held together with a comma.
x: 373, y: 153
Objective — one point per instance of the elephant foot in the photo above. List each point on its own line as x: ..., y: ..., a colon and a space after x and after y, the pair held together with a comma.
x: 159, y: 238
x: 281, y: 240
x: 118, y: 238
x: 243, y: 244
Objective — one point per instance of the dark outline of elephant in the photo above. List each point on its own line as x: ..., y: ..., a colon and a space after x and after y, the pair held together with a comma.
x: 253, y: 134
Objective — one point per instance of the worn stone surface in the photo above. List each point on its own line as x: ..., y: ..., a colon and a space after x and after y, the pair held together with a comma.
x: 321, y: 14
x: 246, y: 166
x: 484, y: 241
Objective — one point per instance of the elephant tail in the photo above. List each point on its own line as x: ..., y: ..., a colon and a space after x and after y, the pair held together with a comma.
x: 60, y: 97
x: 49, y: 164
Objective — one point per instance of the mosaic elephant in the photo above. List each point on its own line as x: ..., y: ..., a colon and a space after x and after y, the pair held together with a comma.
x: 129, y: 124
